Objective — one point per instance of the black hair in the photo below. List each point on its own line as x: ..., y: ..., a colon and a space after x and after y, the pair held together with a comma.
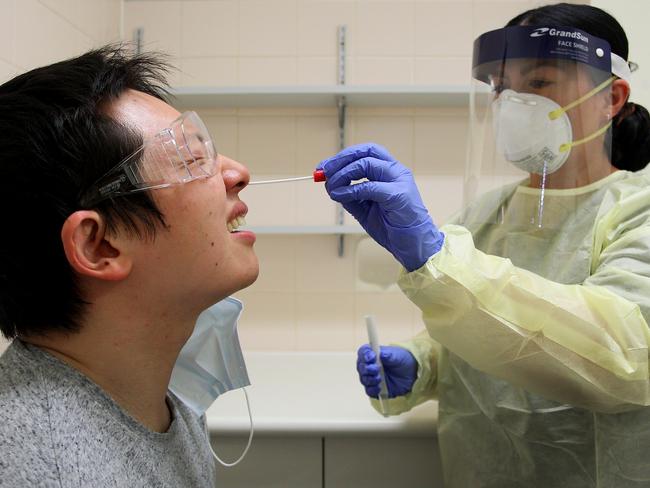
x: 631, y: 126
x: 56, y: 140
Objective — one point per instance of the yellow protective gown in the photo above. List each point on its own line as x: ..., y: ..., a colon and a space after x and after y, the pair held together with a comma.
x: 540, y: 360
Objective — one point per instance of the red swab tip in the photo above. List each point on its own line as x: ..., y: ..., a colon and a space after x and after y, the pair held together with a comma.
x: 319, y: 175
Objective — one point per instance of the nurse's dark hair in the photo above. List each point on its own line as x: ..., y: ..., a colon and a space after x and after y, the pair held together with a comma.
x: 56, y: 139
x: 631, y: 126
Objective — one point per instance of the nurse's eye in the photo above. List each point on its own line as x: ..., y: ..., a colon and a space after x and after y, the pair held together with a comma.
x: 538, y: 84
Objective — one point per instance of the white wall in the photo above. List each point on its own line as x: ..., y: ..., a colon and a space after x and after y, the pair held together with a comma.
x: 633, y: 16
x: 38, y: 32
x: 261, y: 42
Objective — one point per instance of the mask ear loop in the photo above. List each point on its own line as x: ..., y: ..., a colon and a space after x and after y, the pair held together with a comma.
x: 568, y: 145
x: 250, y: 439
x: 560, y: 111
x: 557, y: 113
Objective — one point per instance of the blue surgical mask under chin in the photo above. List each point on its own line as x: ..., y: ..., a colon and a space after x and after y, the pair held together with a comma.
x: 211, y: 362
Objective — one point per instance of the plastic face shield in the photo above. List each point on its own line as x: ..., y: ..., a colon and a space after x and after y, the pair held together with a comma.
x: 178, y: 154
x: 539, y: 122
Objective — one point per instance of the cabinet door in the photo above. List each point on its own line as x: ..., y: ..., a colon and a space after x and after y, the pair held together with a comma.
x: 282, y: 462
x: 382, y: 462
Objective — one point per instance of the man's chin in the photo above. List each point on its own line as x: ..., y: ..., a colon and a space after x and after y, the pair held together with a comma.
x: 244, y: 279
x: 250, y: 278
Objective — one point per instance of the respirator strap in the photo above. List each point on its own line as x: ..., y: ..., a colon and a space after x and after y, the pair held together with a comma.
x: 557, y: 113
x: 566, y: 146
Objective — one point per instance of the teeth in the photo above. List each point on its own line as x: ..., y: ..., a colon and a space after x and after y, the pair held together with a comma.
x: 235, y: 223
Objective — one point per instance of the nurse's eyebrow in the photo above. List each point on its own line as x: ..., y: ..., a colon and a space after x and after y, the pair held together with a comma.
x: 552, y: 63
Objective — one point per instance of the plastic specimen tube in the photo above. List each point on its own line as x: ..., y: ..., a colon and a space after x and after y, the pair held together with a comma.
x: 373, y: 339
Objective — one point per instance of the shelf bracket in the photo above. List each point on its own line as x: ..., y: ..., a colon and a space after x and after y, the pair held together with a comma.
x: 341, y: 106
x: 138, y: 39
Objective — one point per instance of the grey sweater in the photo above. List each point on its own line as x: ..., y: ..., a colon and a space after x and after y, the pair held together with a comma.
x: 59, y: 429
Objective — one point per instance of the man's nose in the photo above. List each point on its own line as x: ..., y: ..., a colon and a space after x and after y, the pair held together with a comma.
x: 235, y: 175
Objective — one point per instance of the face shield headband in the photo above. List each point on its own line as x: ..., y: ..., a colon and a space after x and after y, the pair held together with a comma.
x: 563, y: 43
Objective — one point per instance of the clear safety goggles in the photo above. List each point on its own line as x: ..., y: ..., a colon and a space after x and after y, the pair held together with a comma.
x: 178, y: 154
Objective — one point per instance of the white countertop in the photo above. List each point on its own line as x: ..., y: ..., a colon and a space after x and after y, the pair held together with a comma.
x: 311, y: 393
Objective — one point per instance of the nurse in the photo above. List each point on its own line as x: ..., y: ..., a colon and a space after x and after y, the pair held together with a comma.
x: 536, y: 298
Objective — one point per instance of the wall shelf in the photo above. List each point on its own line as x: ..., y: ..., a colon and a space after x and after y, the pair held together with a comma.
x: 307, y: 229
x: 315, y: 96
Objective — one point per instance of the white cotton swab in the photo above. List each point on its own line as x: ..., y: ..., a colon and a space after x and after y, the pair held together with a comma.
x: 318, y: 176
x: 373, y: 339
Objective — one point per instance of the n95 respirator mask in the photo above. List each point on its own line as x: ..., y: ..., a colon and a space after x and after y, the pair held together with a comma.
x: 527, y: 136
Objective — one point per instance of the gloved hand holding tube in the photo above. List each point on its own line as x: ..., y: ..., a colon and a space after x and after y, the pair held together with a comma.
x: 388, y: 206
x: 400, y: 370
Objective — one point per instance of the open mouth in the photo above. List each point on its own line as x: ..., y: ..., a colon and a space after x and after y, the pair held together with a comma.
x: 235, y: 223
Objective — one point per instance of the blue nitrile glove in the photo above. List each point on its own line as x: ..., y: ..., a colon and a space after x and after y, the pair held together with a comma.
x: 400, y: 370
x: 388, y: 206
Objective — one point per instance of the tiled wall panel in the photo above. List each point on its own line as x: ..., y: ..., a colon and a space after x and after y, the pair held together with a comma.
x: 39, y: 32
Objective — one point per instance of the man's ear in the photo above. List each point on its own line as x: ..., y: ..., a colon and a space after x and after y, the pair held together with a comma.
x: 620, y: 95
x: 89, y: 250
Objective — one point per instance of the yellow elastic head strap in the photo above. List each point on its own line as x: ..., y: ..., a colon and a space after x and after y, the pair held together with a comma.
x: 557, y: 113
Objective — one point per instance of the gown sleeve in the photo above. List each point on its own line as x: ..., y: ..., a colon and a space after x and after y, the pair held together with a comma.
x: 583, y: 344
